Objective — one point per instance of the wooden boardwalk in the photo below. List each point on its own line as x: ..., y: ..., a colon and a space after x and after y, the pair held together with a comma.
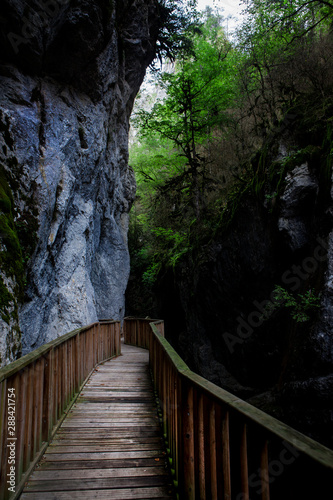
x: 109, y: 447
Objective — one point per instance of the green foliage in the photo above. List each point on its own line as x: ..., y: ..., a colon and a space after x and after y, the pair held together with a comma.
x: 173, y: 244
x: 177, y: 22
x: 149, y: 277
x: 301, y: 306
x: 155, y: 162
x: 271, y: 25
x: 213, y: 137
x: 197, y: 95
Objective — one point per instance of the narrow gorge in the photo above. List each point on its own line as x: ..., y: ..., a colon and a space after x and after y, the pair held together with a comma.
x: 231, y: 238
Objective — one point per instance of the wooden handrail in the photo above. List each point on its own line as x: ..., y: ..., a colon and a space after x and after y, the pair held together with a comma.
x: 221, y: 447
x: 37, y: 391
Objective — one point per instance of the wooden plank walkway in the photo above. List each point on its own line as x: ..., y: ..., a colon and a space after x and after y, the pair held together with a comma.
x: 110, y: 446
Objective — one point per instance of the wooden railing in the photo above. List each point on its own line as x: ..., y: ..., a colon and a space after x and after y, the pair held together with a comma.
x: 37, y: 391
x: 220, y: 447
x: 137, y: 331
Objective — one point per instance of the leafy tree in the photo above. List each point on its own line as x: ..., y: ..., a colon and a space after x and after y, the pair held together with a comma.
x: 155, y: 162
x: 278, y: 43
x: 198, y: 94
x: 283, y: 20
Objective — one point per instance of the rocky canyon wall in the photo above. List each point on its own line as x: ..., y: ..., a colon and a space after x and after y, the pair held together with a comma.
x: 219, y: 304
x: 69, y: 73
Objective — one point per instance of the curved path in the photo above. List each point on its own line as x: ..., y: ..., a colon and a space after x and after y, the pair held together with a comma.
x: 109, y: 447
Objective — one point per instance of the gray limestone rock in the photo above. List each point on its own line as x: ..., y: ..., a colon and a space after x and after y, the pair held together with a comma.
x: 69, y: 74
x: 301, y: 190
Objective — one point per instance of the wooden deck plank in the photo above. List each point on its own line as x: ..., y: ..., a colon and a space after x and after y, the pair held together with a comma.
x: 106, y: 440
x: 96, y: 483
x: 145, y: 419
x: 42, y: 475
x: 121, y: 494
x: 110, y: 445
x: 104, y: 448
x: 103, y: 464
x: 114, y: 455
x: 108, y: 406
x: 95, y: 432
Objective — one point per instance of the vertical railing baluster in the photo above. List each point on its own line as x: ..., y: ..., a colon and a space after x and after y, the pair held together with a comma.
x: 212, y: 451
x: 169, y: 399
x: 226, y: 457
x: 264, y: 474
x: 78, y: 361
x: 110, y: 332
x: 118, y: 345
x: 164, y: 380
x: 201, y: 448
x: 244, y: 463
x: 178, y: 427
x: 58, y: 379
x: 63, y: 401
x: 116, y: 335
x: 72, y: 363
x: 28, y: 396
x: 98, y: 345
x: 71, y: 369
x: 49, y: 390
x: 188, y: 478
x: 86, y: 354
x: 21, y: 406
x: 40, y: 367
x: 90, y: 334
x: 96, y: 348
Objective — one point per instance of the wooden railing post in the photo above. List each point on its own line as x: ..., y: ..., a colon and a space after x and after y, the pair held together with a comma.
x: 49, y: 391
x: 226, y: 456
x: 118, y: 340
x: 20, y: 391
x: 70, y: 370
x: 213, y: 451
x: 264, y: 474
x: 28, y: 414
x: 60, y: 381
x: 201, y: 448
x: 37, y: 418
x: 64, y: 398
x: 188, y: 479
x: 244, y: 463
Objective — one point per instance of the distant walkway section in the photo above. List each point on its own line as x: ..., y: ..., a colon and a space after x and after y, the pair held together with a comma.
x: 109, y: 447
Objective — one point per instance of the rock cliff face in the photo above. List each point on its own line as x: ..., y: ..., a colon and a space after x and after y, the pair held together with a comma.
x: 228, y: 330
x: 69, y: 73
